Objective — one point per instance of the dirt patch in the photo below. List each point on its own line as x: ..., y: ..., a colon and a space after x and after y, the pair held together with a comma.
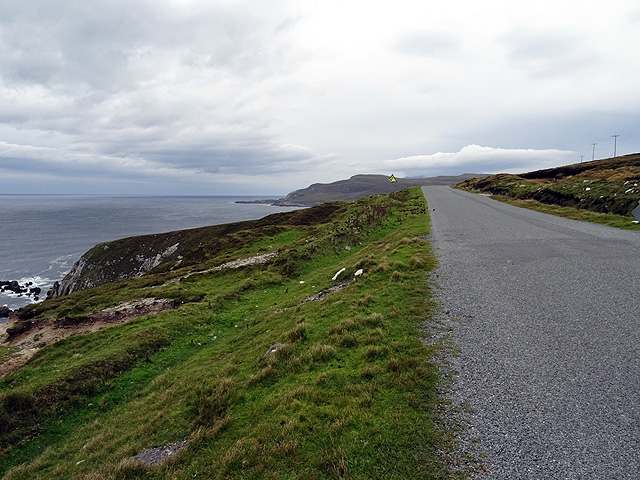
x: 32, y: 336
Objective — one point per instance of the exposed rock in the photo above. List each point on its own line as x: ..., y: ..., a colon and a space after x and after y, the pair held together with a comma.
x: 92, y: 269
x: 155, y: 456
x: 241, y: 262
x: 150, y: 263
x: 54, y: 291
x: 320, y: 295
x: 12, y: 286
x: 4, y: 311
x: 273, y: 348
x: 69, y: 282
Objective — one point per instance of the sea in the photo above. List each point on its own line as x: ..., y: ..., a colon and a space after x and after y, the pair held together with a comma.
x: 43, y: 235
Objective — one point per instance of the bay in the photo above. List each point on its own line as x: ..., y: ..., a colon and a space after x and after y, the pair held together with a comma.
x: 43, y: 235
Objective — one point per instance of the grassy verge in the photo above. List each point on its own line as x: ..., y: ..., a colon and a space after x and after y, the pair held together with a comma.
x: 601, y: 191
x: 608, y: 219
x: 349, y: 392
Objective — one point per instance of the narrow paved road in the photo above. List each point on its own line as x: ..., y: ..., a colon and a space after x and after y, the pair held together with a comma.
x: 548, y: 326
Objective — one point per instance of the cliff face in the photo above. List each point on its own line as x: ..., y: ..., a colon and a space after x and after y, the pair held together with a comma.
x: 92, y: 269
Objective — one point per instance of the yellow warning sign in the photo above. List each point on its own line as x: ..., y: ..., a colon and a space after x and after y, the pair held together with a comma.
x: 392, y: 179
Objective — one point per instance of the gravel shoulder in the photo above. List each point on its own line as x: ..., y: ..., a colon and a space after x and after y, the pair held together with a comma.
x: 545, y: 315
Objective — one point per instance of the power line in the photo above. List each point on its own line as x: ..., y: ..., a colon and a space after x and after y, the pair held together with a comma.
x: 627, y: 137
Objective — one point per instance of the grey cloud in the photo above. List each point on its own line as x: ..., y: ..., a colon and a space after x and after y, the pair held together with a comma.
x: 97, y: 43
x: 247, y: 160
x: 429, y: 44
x: 74, y: 41
x: 141, y: 80
x: 548, y: 54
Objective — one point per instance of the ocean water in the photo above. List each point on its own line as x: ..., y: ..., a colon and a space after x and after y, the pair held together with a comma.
x: 43, y: 235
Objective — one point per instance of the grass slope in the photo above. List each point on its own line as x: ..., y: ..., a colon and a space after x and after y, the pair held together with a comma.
x: 349, y: 394
x: 601, y: 191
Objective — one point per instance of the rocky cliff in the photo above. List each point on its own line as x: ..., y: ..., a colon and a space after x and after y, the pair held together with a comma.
x: 92, y: 270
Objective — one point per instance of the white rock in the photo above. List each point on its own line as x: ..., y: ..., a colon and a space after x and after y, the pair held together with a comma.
x: 358, y: 273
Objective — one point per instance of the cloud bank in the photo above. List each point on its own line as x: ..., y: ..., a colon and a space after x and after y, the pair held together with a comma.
x: 217, y: 97
x: 471, y: 157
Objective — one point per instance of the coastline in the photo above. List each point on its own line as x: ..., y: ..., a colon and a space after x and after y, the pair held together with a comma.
x: 46, y: 234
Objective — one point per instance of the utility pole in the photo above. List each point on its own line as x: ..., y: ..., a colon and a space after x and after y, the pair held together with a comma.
x: 615, y: 145
x: 593, y: 154
x: 581, y: 157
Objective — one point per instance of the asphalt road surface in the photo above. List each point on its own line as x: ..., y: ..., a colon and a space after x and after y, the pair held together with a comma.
x: 547, y: 321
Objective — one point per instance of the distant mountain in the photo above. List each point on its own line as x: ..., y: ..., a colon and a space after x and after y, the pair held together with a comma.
x: 360, y: 186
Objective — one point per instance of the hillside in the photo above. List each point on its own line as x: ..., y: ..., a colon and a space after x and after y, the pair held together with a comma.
x: 135, y: 256
x: 286, y: 348
x: 605, y: 186
x: 360, y: 186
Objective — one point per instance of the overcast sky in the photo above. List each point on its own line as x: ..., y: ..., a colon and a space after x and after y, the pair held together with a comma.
x: 264, y: 97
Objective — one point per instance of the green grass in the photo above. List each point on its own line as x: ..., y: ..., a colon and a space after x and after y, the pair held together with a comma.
x: 350, y: 394
x: 6, y: 352
x: 608, y: 219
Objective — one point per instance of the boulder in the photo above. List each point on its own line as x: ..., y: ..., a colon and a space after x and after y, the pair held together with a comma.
x: 12, y: 286
x: 54, y: 291
x: 4, y: 311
